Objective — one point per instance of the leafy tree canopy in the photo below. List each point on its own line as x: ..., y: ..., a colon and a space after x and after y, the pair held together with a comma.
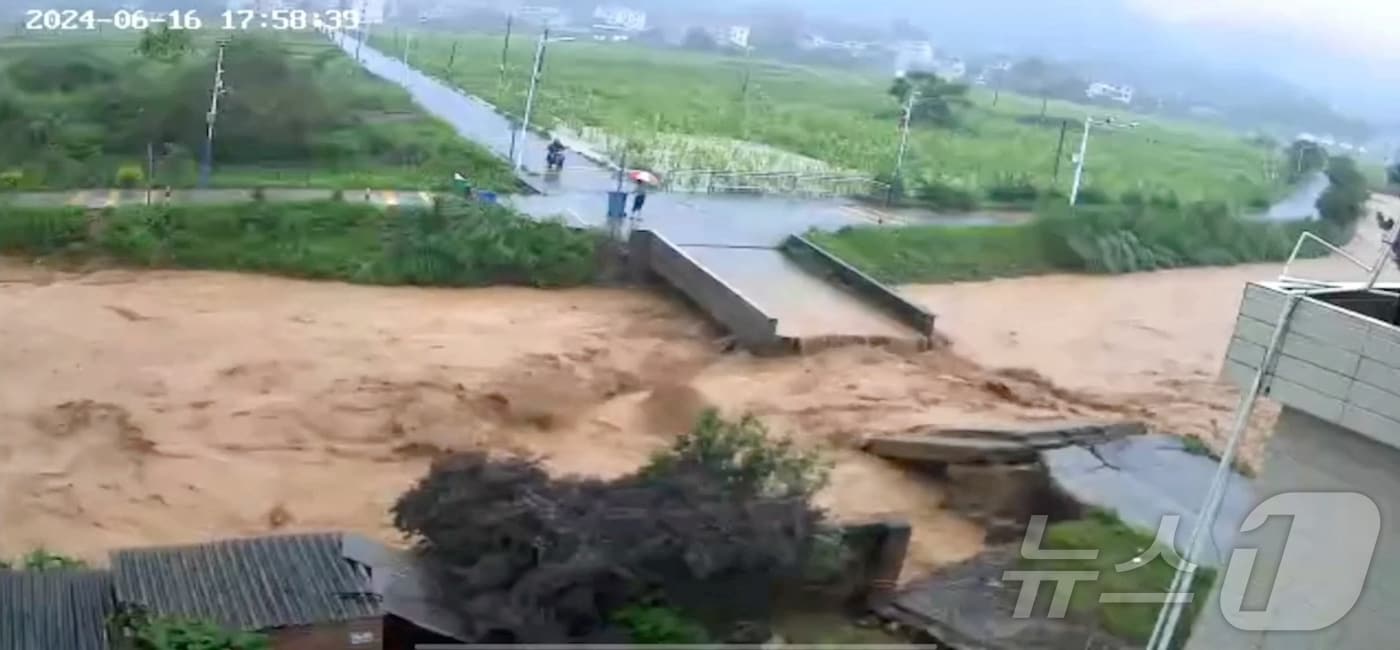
x: 934, y: 99
x: 523, y: 557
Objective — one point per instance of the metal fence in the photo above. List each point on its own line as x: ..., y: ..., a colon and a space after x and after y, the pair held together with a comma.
x: 811, y: 184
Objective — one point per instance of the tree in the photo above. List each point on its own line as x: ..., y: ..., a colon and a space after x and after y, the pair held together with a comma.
x: 523, y: 557
x: 697, y: 38
x: 1346, y: 194
x: 1302, y: 158
x: 164, y: 44
x: 936, y: 97
x: 1392, y: 173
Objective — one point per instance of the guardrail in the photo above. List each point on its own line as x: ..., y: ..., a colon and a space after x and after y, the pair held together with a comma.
x: 723, y: 181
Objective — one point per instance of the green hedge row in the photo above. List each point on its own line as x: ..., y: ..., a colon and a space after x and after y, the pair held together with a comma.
x: 452, y: 244
x: 1094, y: 239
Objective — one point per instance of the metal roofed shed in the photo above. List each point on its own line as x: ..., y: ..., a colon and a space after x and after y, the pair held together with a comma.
x: 55, y: 610
x: 298, y: 589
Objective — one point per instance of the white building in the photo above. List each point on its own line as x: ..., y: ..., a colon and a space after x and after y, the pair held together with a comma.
x: 1110, y: 92
x: 544, y: 16
x: 737, y: 36
x: 620, y: 18
x: 912, y: 55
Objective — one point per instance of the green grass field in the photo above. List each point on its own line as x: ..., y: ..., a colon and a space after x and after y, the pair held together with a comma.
x: 77, y: 108
x: 645, y: 97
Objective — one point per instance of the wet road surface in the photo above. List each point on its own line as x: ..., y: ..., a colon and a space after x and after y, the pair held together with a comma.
x: 730, y: 235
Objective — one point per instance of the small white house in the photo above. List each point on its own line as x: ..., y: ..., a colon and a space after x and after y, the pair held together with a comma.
x: 1110, y: 92
x: 619, y: 17
x: 737, y: 36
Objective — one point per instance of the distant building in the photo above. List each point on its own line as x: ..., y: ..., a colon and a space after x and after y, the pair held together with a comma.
x: 1110, y: 92
x: 737, y: 36
x: 544, y: 16
x: 620, y: 18
x: 816, y: 42
x: 912, y: 55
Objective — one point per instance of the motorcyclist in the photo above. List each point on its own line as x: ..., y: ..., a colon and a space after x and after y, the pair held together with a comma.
x: 556, y: 154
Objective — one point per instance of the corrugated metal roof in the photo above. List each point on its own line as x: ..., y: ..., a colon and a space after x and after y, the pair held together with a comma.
x: 64, y: 609
x: 248, y: 584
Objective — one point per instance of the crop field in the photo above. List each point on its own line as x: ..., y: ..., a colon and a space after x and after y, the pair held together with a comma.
x: 80, y: 109
x: 647, y: 99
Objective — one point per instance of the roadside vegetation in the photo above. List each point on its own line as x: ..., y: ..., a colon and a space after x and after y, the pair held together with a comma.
x: 452, y: 244
x: 974, y: 146
x: 1118, y: 545
x: 1092, y: 239
x: 1132, y: 235
x: 529, y: 558
x: 81, y: 111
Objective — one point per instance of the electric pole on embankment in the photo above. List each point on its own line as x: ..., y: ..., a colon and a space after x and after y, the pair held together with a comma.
x: 207, y: 165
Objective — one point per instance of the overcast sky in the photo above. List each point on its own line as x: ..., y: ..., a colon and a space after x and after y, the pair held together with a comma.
x: 1366, y: 28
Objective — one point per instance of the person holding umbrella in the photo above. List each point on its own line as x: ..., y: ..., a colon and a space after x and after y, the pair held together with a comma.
x: 643, y: 179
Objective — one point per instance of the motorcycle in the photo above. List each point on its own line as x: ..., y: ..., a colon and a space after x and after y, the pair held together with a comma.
x: 554, y: 161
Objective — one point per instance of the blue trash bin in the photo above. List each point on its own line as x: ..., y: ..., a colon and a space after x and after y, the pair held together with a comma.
x: 487, y: 197
x: 617, y: 205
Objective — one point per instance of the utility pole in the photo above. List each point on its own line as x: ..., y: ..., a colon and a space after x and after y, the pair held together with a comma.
x: 903, y: 142
x: 1059, y: 151
x: 505, y: 47
x: 207, y: 167
x: 1079, y: 164
x: 150, y: 169
x: 407, y: 43
x: 530, y: 99
x: 364, y: 29
x: 744, y: 88
x: 452, y: 57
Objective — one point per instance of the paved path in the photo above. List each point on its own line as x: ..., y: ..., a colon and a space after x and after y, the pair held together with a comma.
x: 734, y: 236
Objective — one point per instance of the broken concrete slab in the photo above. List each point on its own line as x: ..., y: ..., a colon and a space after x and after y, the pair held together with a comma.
x: 969, y: 606
x: 949, y: 449
x: 1143, y: 479
x: 993, y: 446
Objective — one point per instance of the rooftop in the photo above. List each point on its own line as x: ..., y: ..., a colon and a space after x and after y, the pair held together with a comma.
x: 55, y: 610
x: 248, y: 584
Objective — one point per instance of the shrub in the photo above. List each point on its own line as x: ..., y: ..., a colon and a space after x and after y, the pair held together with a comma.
x: 658, y: 625
x: 1014, y: 189
x: 41, y: 559
x: 1133, y: 198
x: 741, y: 454
x: 1346, y: 194
x: 129, y: 176
x: 11, y: 179
x: 462, y: 245
x: 528, y: 558
x: 944, y: 196
x: 132, y: 628
x: 1165, y: 200
x: 1092, y: 196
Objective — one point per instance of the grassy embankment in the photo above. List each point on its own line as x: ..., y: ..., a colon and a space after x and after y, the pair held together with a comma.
x: 452, y: 244
x: 1118, y: 238
x: 678, y: 109
x: 79, y: 111
x: 1117, y: 544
